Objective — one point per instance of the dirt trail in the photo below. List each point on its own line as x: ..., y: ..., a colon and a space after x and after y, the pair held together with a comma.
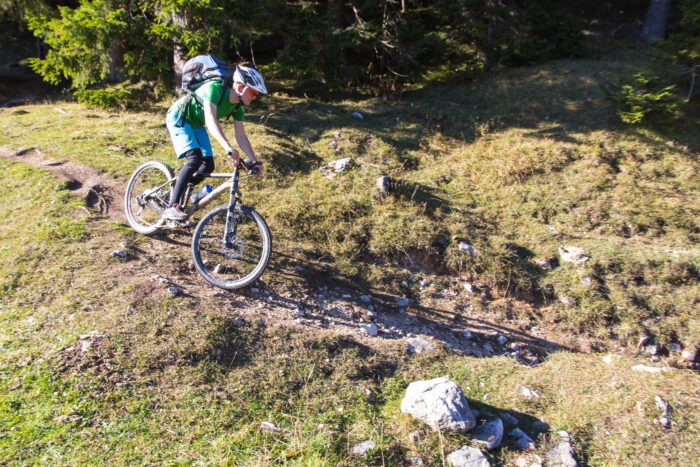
x: 339, y: 308
x: 99, y: 191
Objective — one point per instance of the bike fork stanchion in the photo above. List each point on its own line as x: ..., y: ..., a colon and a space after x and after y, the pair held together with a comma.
x: 231, y: 208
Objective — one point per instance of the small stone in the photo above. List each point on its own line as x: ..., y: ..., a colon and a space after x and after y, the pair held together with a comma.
x: 551, y: 229
x: 125, y: 245
x: 532, y: 460
x: 545, y: 263
x: 468, y: 287
x: 673, y: 347
x: 568, y: 301
x: 415, y: 436
x: 358, y: 115
x: 466, y: 247
x: 467, y: 334
x: 370, y: 329
x: 562, y: 455
x: 415, y: 461
x: 401, y: 302
x: 501, y: 340
x: 508, y: 419
x: 174, y: 290
x: 573, y: 254
x: 642, y: 341
x: 418, y: 345
x: 299, y: 312
x: 586, y: 281
x: 489, y: 433
x: 467, y: 456
x: 488, y: 348
x: 609, y: 358
x: 86, y: 345
x: 522, y: 440
x: 119, y: 254
x: 384, y: 185
x: 529, y: 393
x: 364, y: 298
x: 652, y: 349
x: 662, y: 409
x: 363, y: 448
x: 689, y: 355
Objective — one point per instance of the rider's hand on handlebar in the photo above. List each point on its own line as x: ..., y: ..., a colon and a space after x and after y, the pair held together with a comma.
x: 234, y: 155
x: 253, y: 167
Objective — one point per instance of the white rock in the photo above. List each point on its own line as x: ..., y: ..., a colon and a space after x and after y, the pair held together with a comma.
x: 370, y: 329
x: 467, y: 456
x: 673, y: 347
x: 532, y: 460
x: 119, y: 254
x: 562, y: 455
x: 358, y: 115
x: 662, y: 409
x: 502, y: 340
x: 125, y: 245
x: 467, y: 334
x: 572, y: 254
x: 522, y: 441
x: 652, y: 349
x: 415, y: 461
x: 689, y: 354
x: 364, y: 298
x: 363, y: 448
x: 174, y: 290
x: 439, y: 403
x: 529, y: 393
x: 551, y: 229
x: 648, y: 369
x: 468, y: 287
x: 401, y: 302
x: 466, y: 247
x: 418, y: 345
x: 489, y: 433
x: 86, y: 345
x: 609, y: 358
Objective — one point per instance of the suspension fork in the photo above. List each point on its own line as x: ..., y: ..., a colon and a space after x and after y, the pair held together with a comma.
x: 231, y: 215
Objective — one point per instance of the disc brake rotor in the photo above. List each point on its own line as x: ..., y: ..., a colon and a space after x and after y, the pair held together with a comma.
x: 232, y: 247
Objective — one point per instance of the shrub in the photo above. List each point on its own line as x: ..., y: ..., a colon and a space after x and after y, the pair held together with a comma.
x: 643, y: 96
x: 121, y: 96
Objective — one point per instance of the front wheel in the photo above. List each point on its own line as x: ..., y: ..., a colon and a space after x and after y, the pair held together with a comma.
x: 147, y: 195
x: 235, y: 258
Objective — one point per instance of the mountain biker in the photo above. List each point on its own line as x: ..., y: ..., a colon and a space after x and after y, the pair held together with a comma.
x: 186, y: 122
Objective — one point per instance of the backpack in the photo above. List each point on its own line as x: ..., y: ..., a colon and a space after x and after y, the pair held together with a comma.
x: 203, y: 69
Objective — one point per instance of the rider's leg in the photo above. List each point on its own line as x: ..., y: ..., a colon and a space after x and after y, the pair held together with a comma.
x: 194, y: 161
x: 204, y: 170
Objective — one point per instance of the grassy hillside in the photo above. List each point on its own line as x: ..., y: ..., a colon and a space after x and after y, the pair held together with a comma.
x: 516, y: 164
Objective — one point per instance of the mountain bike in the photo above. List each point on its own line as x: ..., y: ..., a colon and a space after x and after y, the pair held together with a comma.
x: 231, y: 244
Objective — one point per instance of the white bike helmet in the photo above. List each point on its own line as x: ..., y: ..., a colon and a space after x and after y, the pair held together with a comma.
x: 249, y: 77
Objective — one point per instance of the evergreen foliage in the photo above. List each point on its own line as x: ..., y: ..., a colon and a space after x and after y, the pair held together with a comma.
x: 377, y: 44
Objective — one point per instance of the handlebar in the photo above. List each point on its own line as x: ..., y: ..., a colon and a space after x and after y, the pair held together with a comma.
x: 251, y: 167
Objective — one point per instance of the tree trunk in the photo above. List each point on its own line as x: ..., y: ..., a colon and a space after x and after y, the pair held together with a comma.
x: 179, y: 57
x: 655, y: 22
x: 116, y: 60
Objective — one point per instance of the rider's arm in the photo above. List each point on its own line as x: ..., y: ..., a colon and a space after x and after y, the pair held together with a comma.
x: 214, y: 128
x: 242, y: 140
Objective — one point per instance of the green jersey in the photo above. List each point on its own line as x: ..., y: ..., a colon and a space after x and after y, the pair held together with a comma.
x: 209, y: 92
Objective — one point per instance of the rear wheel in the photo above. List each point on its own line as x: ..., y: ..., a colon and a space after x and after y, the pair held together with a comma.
x: 147, y: 196
x: 232, y: 259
